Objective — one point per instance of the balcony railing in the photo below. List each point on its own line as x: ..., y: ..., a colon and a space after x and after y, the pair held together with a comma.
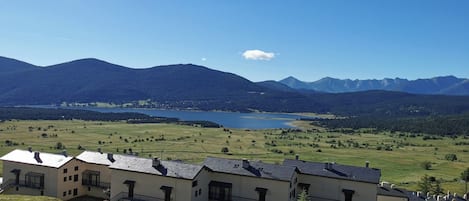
x: 123, y: 196
x: 6, y: 185
x: 103, y: 185
x: 237, y: 198
x: 23, y: 183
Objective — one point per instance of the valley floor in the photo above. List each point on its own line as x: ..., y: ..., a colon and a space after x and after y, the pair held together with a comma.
x: 398, y: 155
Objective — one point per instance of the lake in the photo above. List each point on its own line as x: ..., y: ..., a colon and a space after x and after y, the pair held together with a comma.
x: 227, y: 119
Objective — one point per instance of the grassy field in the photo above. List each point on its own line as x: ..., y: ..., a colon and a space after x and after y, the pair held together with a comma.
x: 399, y: 155
x: 26, y: 198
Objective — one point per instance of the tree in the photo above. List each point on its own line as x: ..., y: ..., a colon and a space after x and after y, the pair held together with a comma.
x: 436, y: 187
x: 465, y: 177
x: 451, y: 157
x: 424, y: 184
x: 224, y: 150
x: 303, y: 196
x: 428, y: 184
x: 427, y: 165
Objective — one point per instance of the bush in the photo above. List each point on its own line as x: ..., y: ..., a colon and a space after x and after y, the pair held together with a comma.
x: 427, y: 165
x: 225, y: 150
x: 451, y: 157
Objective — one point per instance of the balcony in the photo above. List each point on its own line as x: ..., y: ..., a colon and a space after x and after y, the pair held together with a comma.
x: 94, y: 183
x: 123, y: 196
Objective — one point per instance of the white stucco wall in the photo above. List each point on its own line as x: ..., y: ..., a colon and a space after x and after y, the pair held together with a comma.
x: 330, y: 188
x: 244, y: 186
x: 149, y: 185
x: 50, y: 176
x: 390, y: 198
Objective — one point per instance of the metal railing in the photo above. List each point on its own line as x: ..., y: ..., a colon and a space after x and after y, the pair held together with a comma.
x: 6, y: 185
x: 103, y: 185
x: 23, y: 183
x: 237, y: 198
x: 123, y: 196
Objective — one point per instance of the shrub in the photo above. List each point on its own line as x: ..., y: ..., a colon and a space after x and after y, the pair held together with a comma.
x: 427, y: 165
x: 451, y: 157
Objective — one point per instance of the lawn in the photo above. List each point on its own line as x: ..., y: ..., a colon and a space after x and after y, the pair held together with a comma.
x: 400, y: 164
x: 26, y: 198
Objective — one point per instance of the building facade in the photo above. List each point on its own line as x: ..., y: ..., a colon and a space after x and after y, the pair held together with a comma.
x: 124, y: 177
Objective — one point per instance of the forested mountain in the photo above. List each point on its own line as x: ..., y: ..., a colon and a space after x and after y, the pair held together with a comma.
x: 188, y: 86
x: 445, y: 85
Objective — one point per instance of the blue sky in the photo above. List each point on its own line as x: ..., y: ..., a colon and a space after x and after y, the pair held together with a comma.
x: 308, y: 39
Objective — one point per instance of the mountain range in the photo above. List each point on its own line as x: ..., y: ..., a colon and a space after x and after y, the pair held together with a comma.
x: 188, y: 86
x: 444, y: 85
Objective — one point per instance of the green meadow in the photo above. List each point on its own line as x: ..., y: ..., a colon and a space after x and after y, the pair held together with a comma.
x: 398, y: 155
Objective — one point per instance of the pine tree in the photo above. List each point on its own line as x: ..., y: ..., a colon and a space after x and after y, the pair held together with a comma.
x: 303, y: 196
x: 425, y: 184
x: 465, y: 177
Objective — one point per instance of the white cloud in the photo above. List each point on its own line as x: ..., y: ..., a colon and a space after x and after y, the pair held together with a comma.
x: 203, y: 59
x: 258, y: 55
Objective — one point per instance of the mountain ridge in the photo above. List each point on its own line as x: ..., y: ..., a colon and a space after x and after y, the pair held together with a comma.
x: 441, y: 85
x: 189, y: 86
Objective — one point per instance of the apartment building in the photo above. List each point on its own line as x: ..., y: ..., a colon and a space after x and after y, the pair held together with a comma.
x: 34, y: 173
x: 335, y: 182
x: 250, y: 180
x: 124, y: 178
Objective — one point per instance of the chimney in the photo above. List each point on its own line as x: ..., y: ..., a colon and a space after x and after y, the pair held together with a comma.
x: 419, y: 193
x: 156, y: 162
x: 367, y: 164
x: 110, y: 157
x: 36, y: 156
x: 245, y: 163
x: 328, y: 166
x: 297, y: 157
x: 393, y: 186
x: 30, y: 149
x: 64, y: 152
x: 99, y: 150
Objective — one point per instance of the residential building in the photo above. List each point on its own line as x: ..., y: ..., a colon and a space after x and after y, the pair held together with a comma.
x: 155, y: 179
x: 35, y: 173
x: 125, y: 177
x: 335, y: 182
x: 243, y: 180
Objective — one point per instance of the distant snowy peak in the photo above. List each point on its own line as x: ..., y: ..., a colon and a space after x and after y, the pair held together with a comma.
x: 447, y: 85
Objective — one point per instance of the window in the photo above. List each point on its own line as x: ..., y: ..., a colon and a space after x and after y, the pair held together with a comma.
x: 42, y: 192
x: 194, y: 183
x: 65, y: 170
x: 75, y: 178
x: 65, y: 178
x: 64, y: 193
x: 75, y: 192
x: 219, y: 191
x: 348, y: 194
x: 262, y: 192
x: 200, y: 191
x: 90, y: 178
x: 196, y: 193
x: 34, y: 180
x: 70, y: 177
x: 69, y: 192
x: 76, y: 168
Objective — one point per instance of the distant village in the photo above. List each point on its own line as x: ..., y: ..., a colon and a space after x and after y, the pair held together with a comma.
x: 106, y: 176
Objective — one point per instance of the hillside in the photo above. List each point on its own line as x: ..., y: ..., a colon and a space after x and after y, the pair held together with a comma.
x: 180, y: 85
x: 445, y: 85
x: 188, y: 86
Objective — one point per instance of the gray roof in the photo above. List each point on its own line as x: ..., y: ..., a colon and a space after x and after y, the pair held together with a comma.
x: 99, y: 157
x: 337, y: 171
x: 167, y: 168
x: 394, y: 192
x: 45, y: 159
x: 255, y: 169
